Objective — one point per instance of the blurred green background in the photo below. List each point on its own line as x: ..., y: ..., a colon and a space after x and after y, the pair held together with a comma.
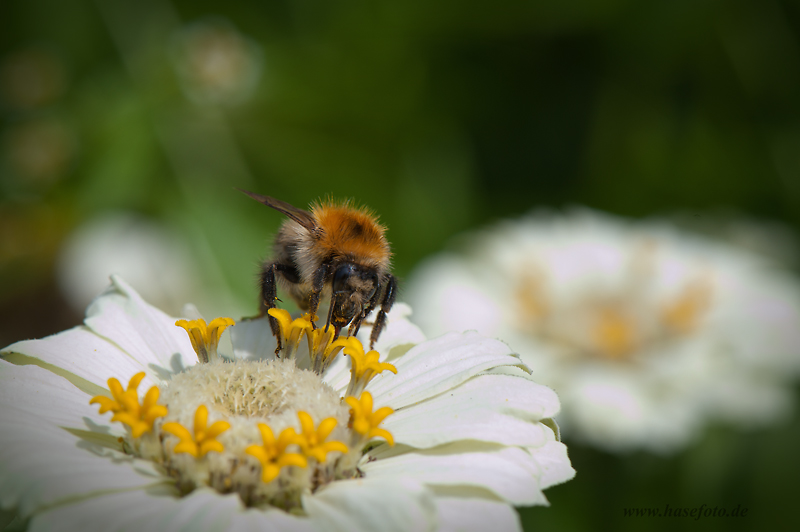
x: 441, y: 116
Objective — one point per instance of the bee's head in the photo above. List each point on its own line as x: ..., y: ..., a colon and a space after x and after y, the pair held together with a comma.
x: 352, y: 289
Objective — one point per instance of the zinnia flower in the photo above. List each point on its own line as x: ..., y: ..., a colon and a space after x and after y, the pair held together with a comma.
x: 144, y: 252
x: 216, y: 64
x: 443, y: 434
x: 645, y: 333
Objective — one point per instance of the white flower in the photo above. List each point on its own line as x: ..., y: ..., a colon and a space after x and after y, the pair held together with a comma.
x: 145, y: 253
x: 644, y: 332
x: 216, y: 64
x: 471, y: 432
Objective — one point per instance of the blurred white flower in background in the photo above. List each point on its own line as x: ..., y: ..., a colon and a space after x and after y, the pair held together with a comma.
x: 646, y: 333
x: 216, y: 64
x: 154, y: 259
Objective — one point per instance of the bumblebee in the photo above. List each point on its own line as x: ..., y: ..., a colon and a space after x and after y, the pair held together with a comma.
x: 334, y: 250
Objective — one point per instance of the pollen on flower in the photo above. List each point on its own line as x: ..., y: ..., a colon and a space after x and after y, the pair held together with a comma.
x: 365, y: 422
x: 204, y: 438
x: 292, y: 331
x: 125, y: 405
x: 364, y: 366
x: 205, y: 338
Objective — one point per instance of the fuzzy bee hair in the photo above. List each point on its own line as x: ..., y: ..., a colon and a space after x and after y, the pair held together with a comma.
x: 334, y: 250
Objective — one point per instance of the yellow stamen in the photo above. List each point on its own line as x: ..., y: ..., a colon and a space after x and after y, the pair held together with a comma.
x: 323, y: 349
x: 614, y: 334
x: 682, y: 315
x: 205, y: 338
x: 126, y: 407
x: 272, y: 454
x: 531, y: 299
x: 312, y: 441
x: 291, y: 330
x: 364, y: 367
x: 204, y: 438
x: 365, y: 422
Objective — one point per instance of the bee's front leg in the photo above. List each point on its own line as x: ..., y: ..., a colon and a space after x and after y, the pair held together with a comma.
x: 269, y: 293
x: 321, y: 276
x: 389, y: 293
x: 373, y: 302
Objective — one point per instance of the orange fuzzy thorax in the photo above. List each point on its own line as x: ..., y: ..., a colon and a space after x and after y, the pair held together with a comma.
x: 352, y: 233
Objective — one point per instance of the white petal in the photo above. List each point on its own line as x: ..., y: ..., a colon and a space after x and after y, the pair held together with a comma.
x: 438, y: 365
x: 253, y: 340
x: 79, y: 355
x: 141, y: 330
x: 365, y: 505
x: 476, y: 515
x: 554, y: 463
x: 447, y: 295
x: 493, y: 408
x: 34, y: 391
x: 157, y: 509
x: 398, y: 330
x: 47, y: 471
x: 338, y: 375
x: 190, y: 312
x: 43, y: 463
x: 509, y: 472
x: 269, y: 520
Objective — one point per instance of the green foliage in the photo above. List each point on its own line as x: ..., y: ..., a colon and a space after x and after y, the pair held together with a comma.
x: 441, y: 116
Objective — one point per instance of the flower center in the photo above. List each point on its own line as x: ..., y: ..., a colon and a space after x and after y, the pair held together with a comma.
x: 222, y: 407
x: 267, y: 430
x: 684, y: 313
x: 531, y: 299
x: 614, y: 326
x: 614, y: 334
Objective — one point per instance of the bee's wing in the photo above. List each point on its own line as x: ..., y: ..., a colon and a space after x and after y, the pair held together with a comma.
x: 300, y: 216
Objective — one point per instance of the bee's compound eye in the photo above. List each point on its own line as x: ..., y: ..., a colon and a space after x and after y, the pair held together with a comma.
x: 340, y: 278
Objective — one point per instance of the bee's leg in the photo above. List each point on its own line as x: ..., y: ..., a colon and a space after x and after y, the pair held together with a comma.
x: 356, y: 324
x: 387, y: 301
x: 321, y: 275
x: 269, y: 293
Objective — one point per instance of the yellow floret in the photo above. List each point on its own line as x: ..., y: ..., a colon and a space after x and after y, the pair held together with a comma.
x: 205, y: 338
x: 126, y: 407
x: 204, y: 438
x: 272, y: 454
x: 312, y: 441
x: 291, y: 330
x: 364, y: 366
x: 365, y: 422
